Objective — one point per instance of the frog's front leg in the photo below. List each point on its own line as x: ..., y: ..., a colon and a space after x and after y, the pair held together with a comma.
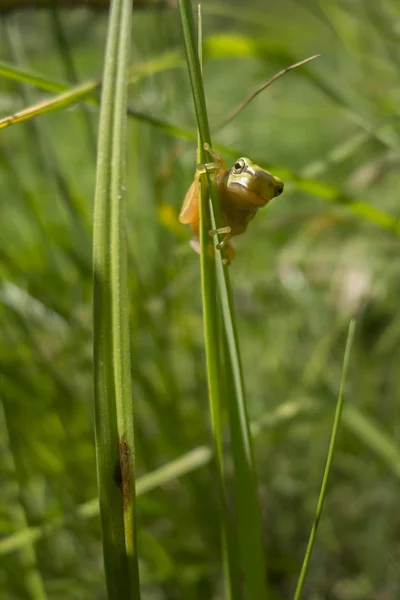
x: 230, y: 252
x: 218, y: 164
x: 218, y: 159
x: 228, y: 234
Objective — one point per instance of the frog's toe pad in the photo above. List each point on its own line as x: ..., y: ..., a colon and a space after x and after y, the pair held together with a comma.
x: 226, y: 229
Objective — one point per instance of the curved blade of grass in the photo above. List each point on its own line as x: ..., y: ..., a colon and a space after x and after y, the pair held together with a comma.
x: 335, y: 429
x: 67, y: 95
x: 112, y: 375
x: 248, y: 510
x: 260, y: 89
x: 353, y: 106
x: 60, y: 101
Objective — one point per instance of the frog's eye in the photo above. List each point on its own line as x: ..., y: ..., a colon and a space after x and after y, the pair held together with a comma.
x: 238, y: 166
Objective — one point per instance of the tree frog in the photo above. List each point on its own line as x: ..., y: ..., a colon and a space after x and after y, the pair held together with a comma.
x: 243, y: 189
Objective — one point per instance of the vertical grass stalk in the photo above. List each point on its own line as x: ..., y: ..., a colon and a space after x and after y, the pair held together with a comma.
x: 212, y: 325
x: 113, y: 399
x: 226, y: 367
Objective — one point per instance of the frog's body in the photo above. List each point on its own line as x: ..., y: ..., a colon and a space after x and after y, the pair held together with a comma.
x: 243, y: 189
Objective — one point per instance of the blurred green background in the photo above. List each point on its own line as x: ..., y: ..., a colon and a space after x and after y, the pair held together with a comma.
x: 327, y: 249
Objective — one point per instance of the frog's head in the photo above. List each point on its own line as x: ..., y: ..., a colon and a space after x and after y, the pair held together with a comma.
x: 251, y: 184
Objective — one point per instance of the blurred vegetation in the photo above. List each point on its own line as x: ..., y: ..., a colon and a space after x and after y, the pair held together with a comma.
x: 9, y: 6
x: 325, y: 250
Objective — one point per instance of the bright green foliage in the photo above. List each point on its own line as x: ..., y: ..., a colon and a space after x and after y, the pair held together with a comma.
x: 323, y: 251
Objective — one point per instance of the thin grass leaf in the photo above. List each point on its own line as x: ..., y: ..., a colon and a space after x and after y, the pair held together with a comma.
x: 354, y: 106
x: 62, y: 100
x: 113, y: 399
x: 234, y: 113
x: 331, y: 450
x: 67, y: 95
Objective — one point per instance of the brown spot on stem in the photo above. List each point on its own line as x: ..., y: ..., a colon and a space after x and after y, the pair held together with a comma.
x: 123, y: 471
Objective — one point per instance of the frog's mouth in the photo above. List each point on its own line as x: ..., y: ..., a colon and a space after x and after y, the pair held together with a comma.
x: 257, y: 188
x: 263, y: 184
x: 279, y: 186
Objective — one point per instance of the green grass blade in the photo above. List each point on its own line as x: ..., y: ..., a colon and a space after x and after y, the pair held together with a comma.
x: 248, y: 511
x: 62, y: 100
x: 335, y: 429
x: 212, y: 325
x: 113, y: 400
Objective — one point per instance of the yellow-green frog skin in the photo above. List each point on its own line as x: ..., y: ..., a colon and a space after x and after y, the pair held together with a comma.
x: 243, y: 189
